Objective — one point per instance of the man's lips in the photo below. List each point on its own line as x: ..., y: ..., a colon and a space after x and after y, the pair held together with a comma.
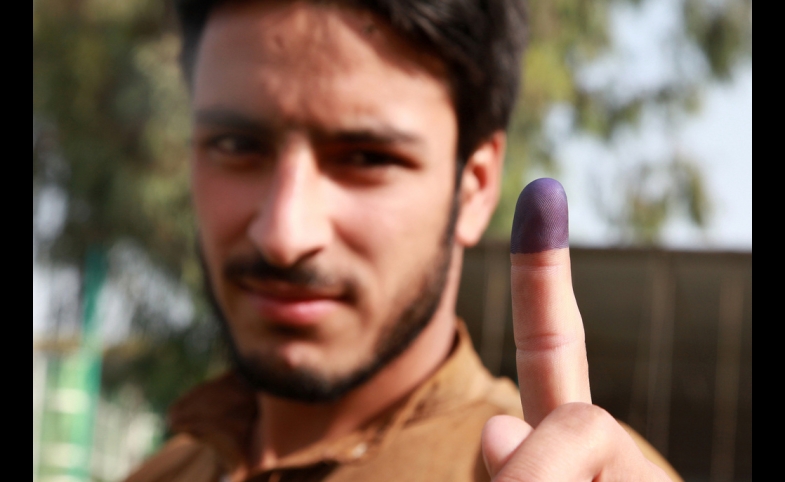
x: 288, y: 304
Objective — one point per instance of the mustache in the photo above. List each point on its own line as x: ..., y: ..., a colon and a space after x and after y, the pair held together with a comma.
x: 301, y: 274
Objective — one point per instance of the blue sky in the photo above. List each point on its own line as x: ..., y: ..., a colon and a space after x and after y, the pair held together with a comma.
x: 649, y: 51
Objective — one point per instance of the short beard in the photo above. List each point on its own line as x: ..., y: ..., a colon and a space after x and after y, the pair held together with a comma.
x: 397, y: 335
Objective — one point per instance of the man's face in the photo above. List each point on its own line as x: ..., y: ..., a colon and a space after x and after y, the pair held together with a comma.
x: 323, y: 178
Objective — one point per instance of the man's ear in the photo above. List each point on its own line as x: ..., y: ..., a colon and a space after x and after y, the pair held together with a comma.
x: 480, y: 189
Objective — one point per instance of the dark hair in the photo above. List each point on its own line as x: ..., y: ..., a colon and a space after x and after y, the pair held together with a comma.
x: 479, y: 41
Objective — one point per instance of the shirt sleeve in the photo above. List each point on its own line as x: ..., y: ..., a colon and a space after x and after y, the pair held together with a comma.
x: 182, y: 459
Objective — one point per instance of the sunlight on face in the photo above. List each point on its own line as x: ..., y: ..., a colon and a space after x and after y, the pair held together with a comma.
x: 324, y: 176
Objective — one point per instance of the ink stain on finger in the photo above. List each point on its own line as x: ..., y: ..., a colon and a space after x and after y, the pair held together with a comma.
x: 541, y: 219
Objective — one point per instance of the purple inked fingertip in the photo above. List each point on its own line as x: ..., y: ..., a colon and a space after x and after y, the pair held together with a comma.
x: 541, y: 219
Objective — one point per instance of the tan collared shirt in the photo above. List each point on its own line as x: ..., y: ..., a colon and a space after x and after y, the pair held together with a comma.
x: 433, y: 435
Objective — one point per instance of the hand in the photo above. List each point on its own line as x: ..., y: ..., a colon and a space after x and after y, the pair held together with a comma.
x: 565, y: 437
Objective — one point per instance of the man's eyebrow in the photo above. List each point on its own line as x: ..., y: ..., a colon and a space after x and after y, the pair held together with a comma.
x: 371, y: 135
x: 230, y: 119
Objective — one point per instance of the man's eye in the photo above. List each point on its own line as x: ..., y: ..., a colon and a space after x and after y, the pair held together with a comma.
x: 236, y: 144
x: 369, y: 159
x: 236, y: 151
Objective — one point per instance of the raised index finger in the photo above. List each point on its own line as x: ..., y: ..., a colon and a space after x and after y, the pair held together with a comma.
x: 549, y: 336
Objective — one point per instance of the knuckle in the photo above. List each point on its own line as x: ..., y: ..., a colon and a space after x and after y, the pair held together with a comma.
x: 547, y: 343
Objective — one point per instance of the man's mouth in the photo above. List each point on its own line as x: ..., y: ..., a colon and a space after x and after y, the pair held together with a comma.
x: 289, y: 304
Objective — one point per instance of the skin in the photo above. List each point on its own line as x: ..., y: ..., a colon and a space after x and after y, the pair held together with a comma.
x: 565, y: 437
x: 322, y: 139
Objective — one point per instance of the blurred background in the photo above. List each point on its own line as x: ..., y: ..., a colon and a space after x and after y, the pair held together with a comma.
x: 642, y: 108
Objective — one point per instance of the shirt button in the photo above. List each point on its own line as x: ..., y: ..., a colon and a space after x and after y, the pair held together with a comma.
x: 359, y: 450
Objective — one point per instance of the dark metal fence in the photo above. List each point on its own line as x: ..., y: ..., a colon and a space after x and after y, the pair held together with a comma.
x: 669, y: 337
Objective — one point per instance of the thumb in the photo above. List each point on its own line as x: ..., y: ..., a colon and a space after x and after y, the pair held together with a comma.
x: 501, y: 436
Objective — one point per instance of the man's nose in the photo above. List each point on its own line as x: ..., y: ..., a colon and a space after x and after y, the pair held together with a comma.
x: 292, y: 222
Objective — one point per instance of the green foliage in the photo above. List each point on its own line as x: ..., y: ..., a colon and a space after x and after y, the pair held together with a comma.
x: 652, y: 193
x: 566, y: 35
x: 722, y: 30
x: 108, y: 101
x: 110, y: 128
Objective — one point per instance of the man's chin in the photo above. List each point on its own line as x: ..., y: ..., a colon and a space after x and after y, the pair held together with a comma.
x: 308, y: 385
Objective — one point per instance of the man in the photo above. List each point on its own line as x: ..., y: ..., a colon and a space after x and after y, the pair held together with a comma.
x: 344, y: 155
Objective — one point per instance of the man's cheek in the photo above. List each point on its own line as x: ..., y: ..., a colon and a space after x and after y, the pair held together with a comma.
x: 223, y: 208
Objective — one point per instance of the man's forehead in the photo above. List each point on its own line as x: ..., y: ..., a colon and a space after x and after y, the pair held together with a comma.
x: 316, y: 67
x: 319, y: 35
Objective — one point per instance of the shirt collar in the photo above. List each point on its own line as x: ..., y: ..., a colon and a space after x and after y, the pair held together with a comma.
x: 221, y: 414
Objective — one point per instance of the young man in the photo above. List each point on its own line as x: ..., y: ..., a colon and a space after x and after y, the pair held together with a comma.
x: 344, y: 155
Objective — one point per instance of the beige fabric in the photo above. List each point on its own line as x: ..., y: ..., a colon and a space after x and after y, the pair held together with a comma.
x: 433, y: 435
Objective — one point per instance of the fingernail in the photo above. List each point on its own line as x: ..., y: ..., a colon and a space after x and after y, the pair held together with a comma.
x: 541, y: 219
